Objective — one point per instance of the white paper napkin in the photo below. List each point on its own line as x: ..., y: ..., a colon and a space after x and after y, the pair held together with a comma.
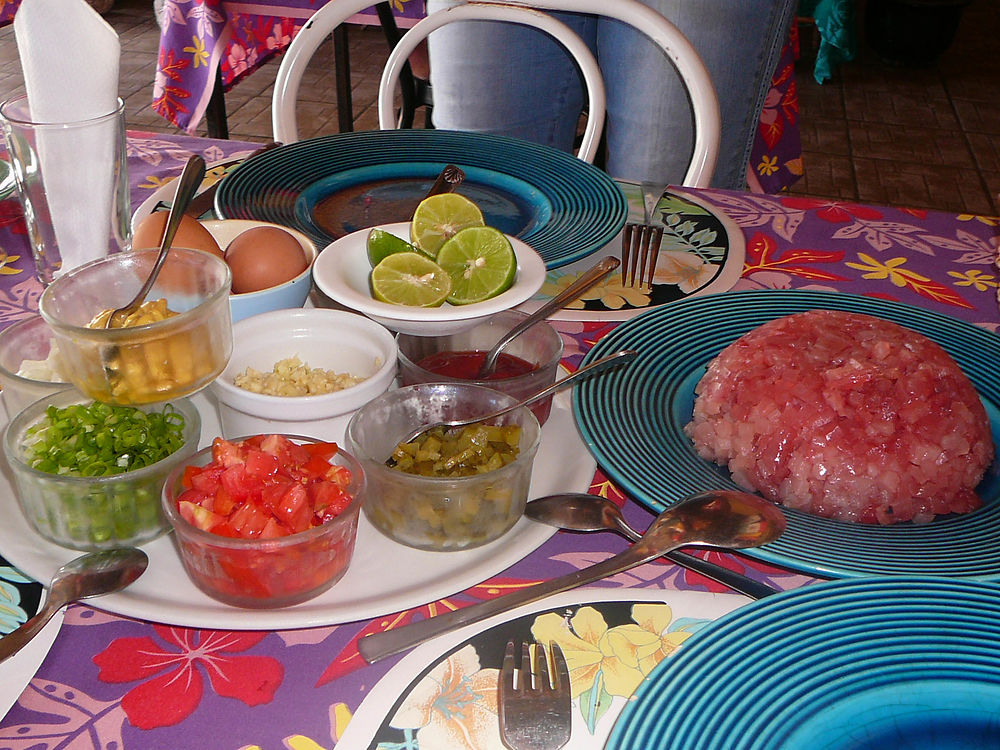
x: 70, y: 57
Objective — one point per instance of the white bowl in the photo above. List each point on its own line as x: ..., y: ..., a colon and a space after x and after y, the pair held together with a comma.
x: 344, y: 342
x: 291, y: 294
x: 342, y: 269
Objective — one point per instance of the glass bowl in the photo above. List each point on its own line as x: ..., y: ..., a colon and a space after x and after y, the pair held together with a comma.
x: 434, y: 513
x: 425, y: 359
x: 267, y: 573
x: 92, y: 513
x: 146, y: 363
x: 28, y: 339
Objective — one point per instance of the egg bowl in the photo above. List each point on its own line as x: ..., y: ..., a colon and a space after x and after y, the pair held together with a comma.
x: 342, y: 269
x: 289, y: 294
x: 342, y: 342
x: 148, y: 363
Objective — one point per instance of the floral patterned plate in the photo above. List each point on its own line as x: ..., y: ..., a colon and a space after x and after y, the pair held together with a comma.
x: 443, y: 694
x: 702, y: 252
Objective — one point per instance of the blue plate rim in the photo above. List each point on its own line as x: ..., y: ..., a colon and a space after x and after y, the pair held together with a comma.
x: 812, y: 632
x: 564, y: 179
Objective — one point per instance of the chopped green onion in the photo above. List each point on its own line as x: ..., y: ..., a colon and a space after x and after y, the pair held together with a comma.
x: 97, y: 439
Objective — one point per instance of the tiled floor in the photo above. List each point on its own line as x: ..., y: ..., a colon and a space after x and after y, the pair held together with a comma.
x: 918, y: 137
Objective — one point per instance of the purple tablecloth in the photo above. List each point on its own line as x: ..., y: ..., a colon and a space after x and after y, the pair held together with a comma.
x: 111, y: 682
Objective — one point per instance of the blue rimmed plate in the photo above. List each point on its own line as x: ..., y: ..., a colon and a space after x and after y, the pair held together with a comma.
x: 331, y: 186
x: 883, y: 663
x: 632, y: 420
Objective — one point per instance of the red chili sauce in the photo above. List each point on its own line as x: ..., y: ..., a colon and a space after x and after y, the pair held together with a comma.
x: 465, y: 365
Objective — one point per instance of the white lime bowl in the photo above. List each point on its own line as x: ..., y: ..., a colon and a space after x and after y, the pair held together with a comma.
x: 344, y: 342
x: 342, y: 269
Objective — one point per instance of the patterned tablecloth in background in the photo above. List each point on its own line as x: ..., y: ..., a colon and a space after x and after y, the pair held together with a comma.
x: 111, y: 682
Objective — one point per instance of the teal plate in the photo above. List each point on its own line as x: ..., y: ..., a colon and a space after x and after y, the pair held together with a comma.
x: 632, y: 420
x: 857, y: 664
x: 328, y: 187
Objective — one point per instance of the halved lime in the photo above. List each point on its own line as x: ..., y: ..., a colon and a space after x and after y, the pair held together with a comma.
x: 480, y: 262
x: 441, y: 217
x: 381, y: 244
x: 410, y: 279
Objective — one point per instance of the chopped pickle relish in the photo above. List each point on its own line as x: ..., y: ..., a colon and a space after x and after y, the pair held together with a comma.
x: 475, y: 449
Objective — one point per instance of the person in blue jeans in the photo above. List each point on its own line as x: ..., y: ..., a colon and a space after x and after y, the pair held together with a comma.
x: 510, y: 79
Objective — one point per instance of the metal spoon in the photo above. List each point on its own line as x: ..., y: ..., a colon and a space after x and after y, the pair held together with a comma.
x: 587, y: 279
x: 575, y: 511
x: 612, y: 360
x: 89, y: 575
x: 735, y: 520
x: 187, y: 185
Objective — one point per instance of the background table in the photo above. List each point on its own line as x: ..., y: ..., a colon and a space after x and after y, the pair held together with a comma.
x: 110, y: 681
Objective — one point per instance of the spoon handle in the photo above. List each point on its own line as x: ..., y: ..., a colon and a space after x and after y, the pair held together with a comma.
x: 587, y: 279
x: 377, y: 646
x: 612, y: 360
x: 17, y: 639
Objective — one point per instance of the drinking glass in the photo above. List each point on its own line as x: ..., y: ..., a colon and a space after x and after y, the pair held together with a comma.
x: 72, y: 179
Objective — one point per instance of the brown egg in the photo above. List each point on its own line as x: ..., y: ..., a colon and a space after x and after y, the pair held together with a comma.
x: 263, y: 257
x: 190, y: 233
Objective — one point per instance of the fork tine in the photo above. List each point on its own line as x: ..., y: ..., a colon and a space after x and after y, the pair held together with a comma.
x: 507, y: 670
x: 560, y: 671
x: 540, y: 670
x: 644, y: 234
x: 654, y: 253
x: 626, y: 251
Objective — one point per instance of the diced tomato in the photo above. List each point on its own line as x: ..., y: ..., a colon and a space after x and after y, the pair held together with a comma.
x: 260, y: 465
x: 326, y: 451
x: 316, y: 467
x: 265, y: 486
x: 340, y: 475
x: 328, y: 500
x: 226, y: 453
x: 293, y: 509
x: 197, y: 516
x: 207, y: 479
x: 249, y: 520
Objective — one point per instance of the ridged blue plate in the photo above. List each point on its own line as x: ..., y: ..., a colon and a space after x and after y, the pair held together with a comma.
x: 331, y: 186
x: 879, y: 663
x: 632, y: 420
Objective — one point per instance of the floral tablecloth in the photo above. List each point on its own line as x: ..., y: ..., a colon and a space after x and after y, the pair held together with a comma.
x: 112, y: 682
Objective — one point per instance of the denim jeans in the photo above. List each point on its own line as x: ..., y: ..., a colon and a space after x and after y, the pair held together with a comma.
x: 516, y: 80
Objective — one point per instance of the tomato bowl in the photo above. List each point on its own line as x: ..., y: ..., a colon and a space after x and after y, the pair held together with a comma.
x: 228, y: 539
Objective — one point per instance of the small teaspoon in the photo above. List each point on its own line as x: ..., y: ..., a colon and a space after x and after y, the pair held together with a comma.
x: 576, y: 511
x: 89, y: 575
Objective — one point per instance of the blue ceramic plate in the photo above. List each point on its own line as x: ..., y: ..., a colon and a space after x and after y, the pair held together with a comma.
x: 892, y: 663
x: 632, y: 420
x: 331, y: 186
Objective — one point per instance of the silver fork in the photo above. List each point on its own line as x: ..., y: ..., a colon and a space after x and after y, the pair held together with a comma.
x: 641, y: 242
x: 535, y: 713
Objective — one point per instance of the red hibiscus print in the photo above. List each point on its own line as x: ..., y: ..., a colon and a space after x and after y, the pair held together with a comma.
x: 172, y: 679
x: 833, y: 211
